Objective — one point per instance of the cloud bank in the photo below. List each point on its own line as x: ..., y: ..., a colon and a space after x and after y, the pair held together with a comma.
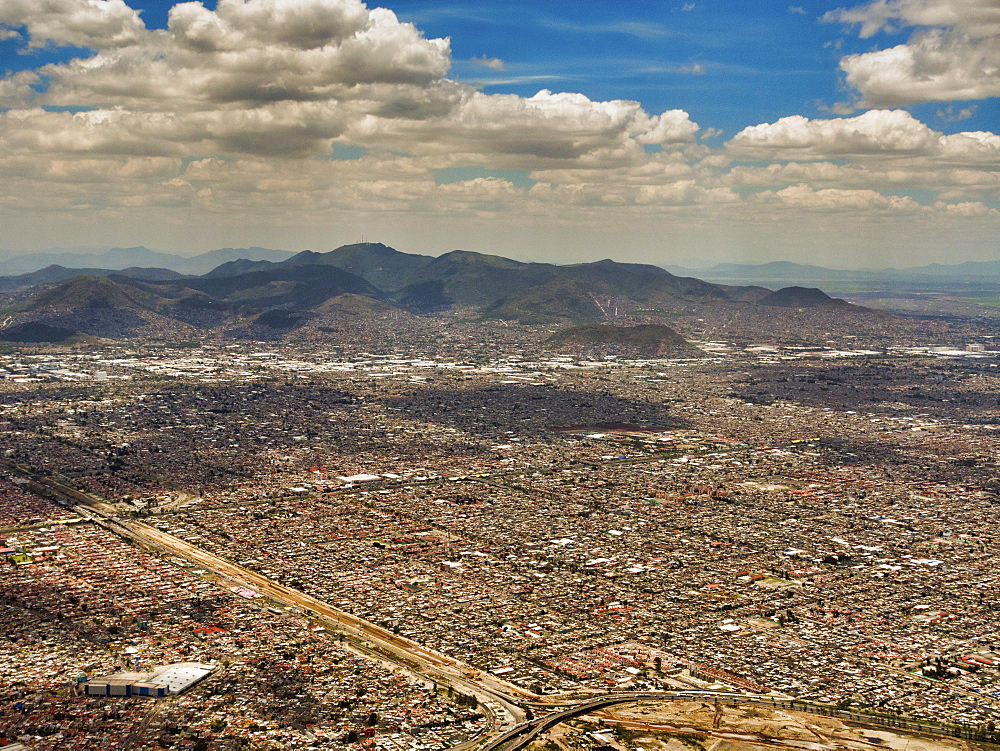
x: 243, y: 110
x: 952, y: 54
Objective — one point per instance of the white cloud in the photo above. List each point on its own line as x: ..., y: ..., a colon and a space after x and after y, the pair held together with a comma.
x: 258, y: 92
x: 209, y: 59
x: 978, y: 17
x: 494, y: 63
x: 967, y: 209
x: 829, y: 199
x: 877, y: 151
x: 673, y: 126
x: 80, y: 23
x: 877, y: 132
x: 544, y: 130
x: 955, y: 181
x: 954, y: 54
x: 287, y: 77
x: 878, y: 136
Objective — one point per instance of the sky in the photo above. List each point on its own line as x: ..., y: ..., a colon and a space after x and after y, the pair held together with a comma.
x: 690, y: 132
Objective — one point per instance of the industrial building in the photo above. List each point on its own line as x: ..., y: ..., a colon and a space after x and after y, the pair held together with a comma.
x: 164, y: 681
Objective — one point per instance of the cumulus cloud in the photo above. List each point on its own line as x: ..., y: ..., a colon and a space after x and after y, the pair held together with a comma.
x: 534, y: 132
x: 873, y: 133
x: 77, y: 23
x: 966, y: 208
x: 829, y: 199
x: 287, y: 77
x: 877, y: 134
x: 953, y: 54
x: 208, y: 59
x: 877, y: 151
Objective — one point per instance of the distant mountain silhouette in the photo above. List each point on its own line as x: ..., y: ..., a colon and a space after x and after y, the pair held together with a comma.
x: 205, y: 262
x: 117, y: 259
x: 966, y: 270
x: 55, y: 273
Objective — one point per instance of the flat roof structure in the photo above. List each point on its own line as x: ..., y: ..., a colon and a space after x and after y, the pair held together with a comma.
x: 181, y: 676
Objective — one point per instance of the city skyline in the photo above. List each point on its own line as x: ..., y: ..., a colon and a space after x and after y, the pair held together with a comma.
x: 849, y: 136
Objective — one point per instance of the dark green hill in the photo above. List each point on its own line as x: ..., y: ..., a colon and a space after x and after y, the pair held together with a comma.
x: 237, y: 267
x: 590, y: 292
x: 800, y: 297
x: 113, y: 307
x: 37, y: 332
x: 91, y: 292
x: 479, y: 280
x: 642, y: 282
x: 293, y: 287
x: 353, y: 306
x: 382, y: 266
x: 423, y: 297
x: 559, y: 299
x: 372, y: 280
x: 500, y: 287
x: 280, y: 319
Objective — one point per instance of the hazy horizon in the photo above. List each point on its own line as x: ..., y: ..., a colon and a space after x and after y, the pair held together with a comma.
x: 691, y: 264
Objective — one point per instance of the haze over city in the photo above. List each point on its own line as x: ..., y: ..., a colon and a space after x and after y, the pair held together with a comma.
x: 662, y: 132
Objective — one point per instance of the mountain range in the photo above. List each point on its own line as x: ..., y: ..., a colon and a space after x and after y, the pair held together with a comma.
x: 260, y: 297
x: 358, y: 259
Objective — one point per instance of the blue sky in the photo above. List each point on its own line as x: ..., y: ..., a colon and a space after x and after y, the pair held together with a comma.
x: 817, y: 109
x: 733, y: 63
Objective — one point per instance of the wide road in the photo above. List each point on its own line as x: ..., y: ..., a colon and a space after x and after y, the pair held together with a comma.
x: 428, y: 662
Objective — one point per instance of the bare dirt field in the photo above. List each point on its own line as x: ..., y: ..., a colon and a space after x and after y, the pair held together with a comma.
x: 703, y: 726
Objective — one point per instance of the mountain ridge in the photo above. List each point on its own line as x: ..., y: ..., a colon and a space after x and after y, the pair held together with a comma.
x: 253, y: 296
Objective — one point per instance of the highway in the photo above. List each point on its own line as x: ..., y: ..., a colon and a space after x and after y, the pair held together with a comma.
x: 427, y: 662
x: 406, y: 652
